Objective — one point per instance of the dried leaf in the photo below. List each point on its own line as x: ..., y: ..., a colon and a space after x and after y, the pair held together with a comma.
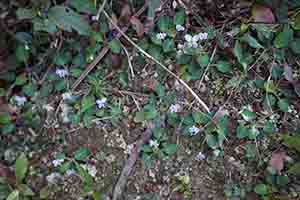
x: 263, y: 14
x: 277, y: 161
x: 138, y: 26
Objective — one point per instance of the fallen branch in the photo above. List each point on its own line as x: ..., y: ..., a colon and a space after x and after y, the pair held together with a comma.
x: 126, y: 171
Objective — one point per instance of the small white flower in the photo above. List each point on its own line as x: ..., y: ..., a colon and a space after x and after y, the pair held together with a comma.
x: 194, y: 130
x: 161, y: 36
x: 175, y: 108
x: 27, y: 47
x: 200, y: 156
x: 101, y: 102
x: 57, y: 162
x: 216, y: 152
x: 154, y: 144
x: 67, y: 96
x: 91, y: 169
x: 94, y: 18
x: 20, y: 101
x: 174, y: 4
x: 53, y: 178
x: 179, y: 28
x: 188, y: 37
x: 180, y: 46
x: 62, y: 72
x: 203, y: 36
x: 192, y: 41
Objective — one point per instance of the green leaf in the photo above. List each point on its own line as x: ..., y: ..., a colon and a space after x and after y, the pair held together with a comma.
x: 63, y: 58
x: 164, y: 23
x: 295, y: 46
x: 2, y: 92
x: 4, y: 190
x: 115, y: 46
x: 60, y: 85
x: 295, y: 169
x: 25, y: 190
x: 86, y: 6
x: 251, y: 41
x: 248, y: 115
x: 179, y: 18
x: 253, y: 132
x: 242, y: 131
x: 250, y: 150
x: 87, y: 103
x: 212, y: 141
x: 21, y: 168
x: 8, y: 128
x: 268, y: 127
x: 170, y: 149
x: 5, y: 118
x: 238, y: 52
x: 76, y: 72
x: 29, y: 90
x: 139, y: 117
x: 24, y: 13
x: 21, y: 80
x: 153, y: 5
x: 66, y: 19
x: 87, y: 178
x: 97, y: 196
x: 283, y: 105
x: 200, y: 118
x: 270, y: 87
x: 46, y: 90
x: 223, y: 66
x: 22, y: 54
x: 283, y: 39
x: 14, y: 195
x: 147, y: 160
x: 292, y: 142
x: 44, y: 25
x: 261, y: 189
x: 203, y: 60
x: 45, y: 192
x: 64, y: 167
x: 81, y: 154
x: 282, y: 180
x: 169, y: 45
x: 296, y: 22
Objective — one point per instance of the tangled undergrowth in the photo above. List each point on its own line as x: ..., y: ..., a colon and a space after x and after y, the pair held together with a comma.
x: 204, y: 93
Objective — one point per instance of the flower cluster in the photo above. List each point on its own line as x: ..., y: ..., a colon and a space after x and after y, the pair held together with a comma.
x: 194, y: 130
x: 57, y: 162
x: 62, y: 73
x: 175, y: 108
x: 154, y: 144
x: 101, y: 103
x: 20, y: 101
x: 161, y: 36
x: 200, y: 156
